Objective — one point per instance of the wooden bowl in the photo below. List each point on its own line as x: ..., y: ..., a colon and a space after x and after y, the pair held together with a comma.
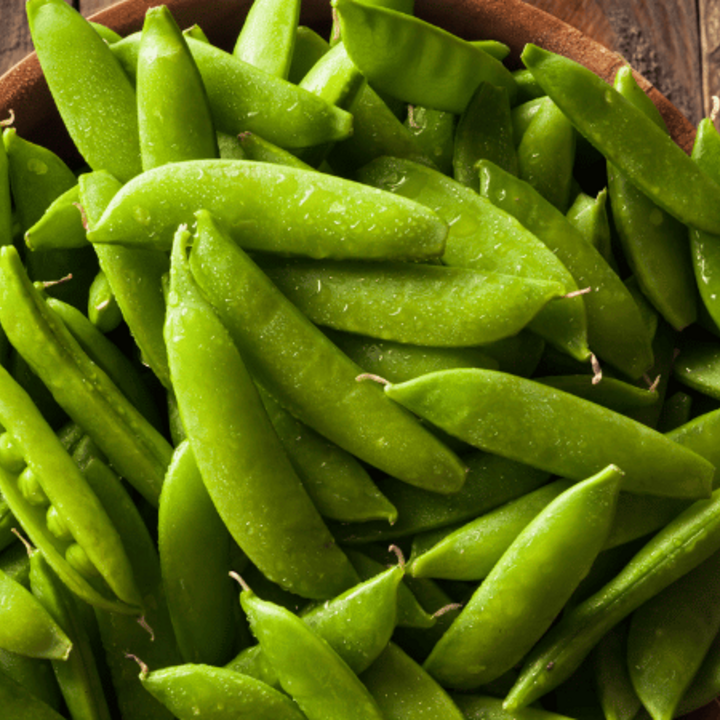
x: 24, y: 91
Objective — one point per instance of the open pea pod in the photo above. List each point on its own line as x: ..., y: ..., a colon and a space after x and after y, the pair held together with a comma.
x: 549, y: 429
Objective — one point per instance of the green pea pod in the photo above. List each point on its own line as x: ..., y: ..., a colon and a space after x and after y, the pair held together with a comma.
x: 7, y: 523
x: 60, y: 226
x: 34, y: 675
x: 589, y: 215
x: 309, y: 48
x: 398, y: 362
x: 328, y: 399
x: 403, y: 689
x: 242, y: 97
x: 435, y: 131
x: 484, y: 131
x: 615, y: 328
x: 189, y: 691
x: 402, y: 6
x: 259, y: 206
x: 615, y: 691
x: 77, y: 676
x: 609, y: 392
x: 267, y: 38
x: 518, y: 602
x: 471, y: 551
x: 257, y: 148
x: 194, y: 547
x: 677, y: 410
x: 134, y: 276
x: 338, y: 485
x: 485, y: 238
x: 428, y: 66
x: 309, y: 670
x: 6, y: 212
x: 670, y: 635
x: 703, y: 245
x: 20, y: 703
x: 546, y: 155
x: 705, y: 686
x: 168, y: 85
x: 94, y: 96
x: 656, y: 165
x: 409, y: 611
x: 410, y: 302
x: 681, y: 546
x: 522, y: 115
x: 136, y: 449
x: 27, y: 627
x: 78, y: 507
x: 478, y: 707
x: 376, y: 133
x: 655, y: 244
x: 108, y: 35
x: 529, y: 422
x: 103, y: 310
x: 698, y: 367
x: 528, y: 87
x: 287, y: 540
x: 491, y: 481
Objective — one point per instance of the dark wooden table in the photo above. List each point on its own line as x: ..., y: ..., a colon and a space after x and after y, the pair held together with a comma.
x: 674, y: 43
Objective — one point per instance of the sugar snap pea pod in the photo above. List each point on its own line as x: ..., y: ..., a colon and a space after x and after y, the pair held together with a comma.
x: 338, y: 485
x: 195, y: 690
x: 470, y: 552
x: 89, y: 527
x: 120, y: 634
x: 655, y: 244
x: 485, y: 238
x: 267, y: 38
x: 27, y: 627
x: 257, y: 148
x: 398, y: 362
x: 134, y: 275
x: 6, y: 211
x: 546, y: 155
x: 409, y: 611
x: 60, y: 226
x: 491, y: 481
x: 614, y: 688
x: 108, y: 35
x: 515, y: 605
x: 328, y: 399
x: 103, y: 310
x: 376, y: 133
x: 519, y: 355
x: 33, y: 674
x: 309, y: 670
x: 528, y: 87
x: 309, y: 48
x: 623, y: 343
x: 7, y: 523
x: 670, y: 635
x: 259, y: 203
x: 484, y: 131
x: 229, y: 147
x: 705, y: 685
x: 78, y: 675
x: 242, y: 97
x: 522, y: 115
x: 609, y: 392
x: 194, y: 547
x: 403, y: 689
x: 20, y: 703
x: 698, y: 367
x: 480, y: 707
x: 402, y: 6
x: 168, y: 86
x: 410, y: 302
x: 435, y: 131
x: 536, y: 421
x: 134, y: 447
x: 589, y: 216
x: 94, y: 96
x: 656, y: 165
x: 681, y: 546
x: 231, y: 437
x: 676, y: 411
x: 428, y: 66
x: 703, y: 245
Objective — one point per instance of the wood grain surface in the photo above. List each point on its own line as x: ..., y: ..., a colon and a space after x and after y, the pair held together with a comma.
x: 674, y: 43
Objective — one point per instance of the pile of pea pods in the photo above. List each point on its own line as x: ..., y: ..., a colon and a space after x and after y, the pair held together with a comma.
x: 416, y: 354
